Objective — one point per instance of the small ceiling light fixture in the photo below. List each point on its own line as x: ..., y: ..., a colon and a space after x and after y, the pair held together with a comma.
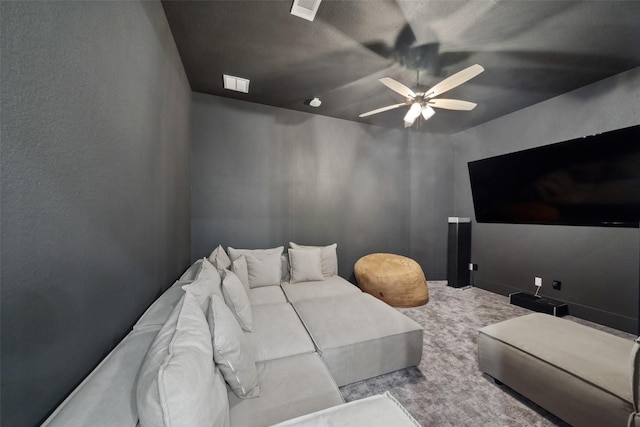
x: 412, y: 114
x: 305, y: 9
x: 236, y: 83
x: 415, y: 111
x: 315, y: 102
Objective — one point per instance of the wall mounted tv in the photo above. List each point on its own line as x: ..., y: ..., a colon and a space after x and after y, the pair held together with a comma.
x: 591, y: 181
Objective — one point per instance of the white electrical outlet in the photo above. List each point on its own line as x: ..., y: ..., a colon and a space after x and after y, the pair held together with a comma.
x: 538, y: 281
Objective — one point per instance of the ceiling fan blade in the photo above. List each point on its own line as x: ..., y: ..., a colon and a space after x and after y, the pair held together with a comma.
x: 380, y: 110
x: 397, y: 87
x: 452, y: 104
x: 455, y: 80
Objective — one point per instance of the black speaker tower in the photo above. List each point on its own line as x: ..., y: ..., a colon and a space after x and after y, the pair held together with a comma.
x: 459, y: 252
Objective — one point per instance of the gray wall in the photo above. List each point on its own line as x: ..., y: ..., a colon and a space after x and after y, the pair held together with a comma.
x: 598, y: 267
x: 95, y: 187
x: 264, y: 176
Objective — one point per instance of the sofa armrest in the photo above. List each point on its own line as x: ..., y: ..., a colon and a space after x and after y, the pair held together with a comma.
x: 106, y: 398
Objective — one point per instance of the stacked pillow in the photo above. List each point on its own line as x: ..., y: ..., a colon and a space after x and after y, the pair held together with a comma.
x: 263, y: 265
x: 206, y: 283
x: 178, y: 384
x: 206, y: 326
x: 236, y: 298
x: 231, y: 351
x: 305, y: 265
x: 219, y: 258
x: 268, y: 267
x: 310, y: 263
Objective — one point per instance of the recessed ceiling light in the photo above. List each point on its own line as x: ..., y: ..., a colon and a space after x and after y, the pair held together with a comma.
x: 305, y: 9
x: 236, y: 83
x: 315, y: 102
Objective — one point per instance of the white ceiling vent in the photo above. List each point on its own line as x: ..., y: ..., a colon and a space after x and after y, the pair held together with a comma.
x: 236, y: 83
x: 305, y: 9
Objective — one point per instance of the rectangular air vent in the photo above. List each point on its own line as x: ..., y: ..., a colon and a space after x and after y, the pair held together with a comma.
x: 236, y: 83
x: 305, y: 9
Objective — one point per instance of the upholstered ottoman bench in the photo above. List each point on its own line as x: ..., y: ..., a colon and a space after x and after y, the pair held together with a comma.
x: 360, y: 337
x: 584, y: 376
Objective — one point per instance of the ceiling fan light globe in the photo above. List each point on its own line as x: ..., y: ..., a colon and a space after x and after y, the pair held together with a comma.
x: 413, y: 113
x: 427, y: 112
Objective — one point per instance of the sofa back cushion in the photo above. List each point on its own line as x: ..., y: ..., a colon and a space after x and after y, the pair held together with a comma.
x: 207, y: 283
x: 239, y: 268
x: 284, y: 267
x: 157, y: 314
x: 263, y: 265
x: 192, y: 271
x: 306, y: 265
x: 220, y: 259
x: 232, y: 352
x: 329, y: 257
x: 237, y: 299
x: 178, y: 383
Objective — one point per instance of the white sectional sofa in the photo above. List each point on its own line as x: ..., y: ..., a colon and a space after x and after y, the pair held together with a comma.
x: 188, y: 361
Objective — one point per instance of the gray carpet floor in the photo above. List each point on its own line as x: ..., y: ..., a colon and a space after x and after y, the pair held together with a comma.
x: 447, y: 389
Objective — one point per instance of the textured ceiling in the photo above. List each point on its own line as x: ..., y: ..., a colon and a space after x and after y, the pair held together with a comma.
x: 531, y: 51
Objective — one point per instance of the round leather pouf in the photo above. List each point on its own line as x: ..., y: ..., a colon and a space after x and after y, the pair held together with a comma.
x: 395, y: 279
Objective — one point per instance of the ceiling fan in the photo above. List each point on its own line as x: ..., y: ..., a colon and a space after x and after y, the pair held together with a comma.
x: 422, y: 102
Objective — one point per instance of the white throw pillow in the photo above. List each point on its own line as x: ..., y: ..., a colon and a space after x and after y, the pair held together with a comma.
x: 263, y: 265
x: 231, y: 351
x: 220, y: 259
x: 207, y: 283
x: 284, y: 267
x: 178, y: 384
x: 239, y: 266
x: 329, y: 257
x: 237, y: 300
x: 306, y: 265
x: 207, y: 270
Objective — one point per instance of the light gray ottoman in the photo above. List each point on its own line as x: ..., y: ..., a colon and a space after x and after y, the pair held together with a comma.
x: 359, y: 336
x: 584, y: 376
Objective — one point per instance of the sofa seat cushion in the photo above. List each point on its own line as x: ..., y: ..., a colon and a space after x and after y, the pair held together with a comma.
x: 107, y: 396
x: 327, y: 288
x: 291, y: 387
x: 597, y: 357
x: 359, y: 336
x: 266, y: 295
x: 278, y: 332
x: 382, y: 410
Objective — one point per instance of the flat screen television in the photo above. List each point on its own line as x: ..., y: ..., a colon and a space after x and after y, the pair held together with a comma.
x: 589, y: 181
